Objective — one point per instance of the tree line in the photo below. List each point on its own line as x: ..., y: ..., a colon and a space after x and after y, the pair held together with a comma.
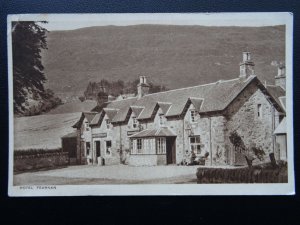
x: 116, y: 88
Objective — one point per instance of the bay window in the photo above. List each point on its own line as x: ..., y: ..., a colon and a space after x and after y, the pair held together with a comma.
x: 161, y: 145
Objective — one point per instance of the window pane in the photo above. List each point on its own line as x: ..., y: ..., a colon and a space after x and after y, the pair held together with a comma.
x: 192, y: 140
x: 198, y: 139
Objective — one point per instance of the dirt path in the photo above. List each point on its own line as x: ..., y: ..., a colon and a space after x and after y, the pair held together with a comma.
x: 119, y: 174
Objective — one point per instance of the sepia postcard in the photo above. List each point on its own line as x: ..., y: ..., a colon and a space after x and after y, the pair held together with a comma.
x: 150, y: 104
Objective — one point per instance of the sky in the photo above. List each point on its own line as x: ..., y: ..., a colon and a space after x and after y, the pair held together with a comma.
x: 75, y: 21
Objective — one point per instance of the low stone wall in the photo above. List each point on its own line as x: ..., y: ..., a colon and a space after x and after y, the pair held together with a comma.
x: 40, y: 161
x: 142, y: 160
x: 256, y: 174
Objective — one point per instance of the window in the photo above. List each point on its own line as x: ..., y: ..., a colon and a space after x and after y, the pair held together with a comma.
x: 134, y: 122
x: 107, y: 123
x: 86, y: 125
x: 139, y: 145
x: 259, y: 111
x: 161, y: 119
x: 161, y: 145
x: 108, y: 148
x: 87, y: 148
x: 195, y: 144
x: 143, y: 146
x: 193, y: 116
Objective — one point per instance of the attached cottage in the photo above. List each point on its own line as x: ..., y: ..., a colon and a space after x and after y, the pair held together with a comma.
x: 169, y: 127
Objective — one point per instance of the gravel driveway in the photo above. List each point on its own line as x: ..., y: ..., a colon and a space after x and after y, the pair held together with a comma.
x: 117, y: 174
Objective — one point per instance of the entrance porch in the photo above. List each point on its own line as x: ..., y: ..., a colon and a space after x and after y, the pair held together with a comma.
x: 153, y: 147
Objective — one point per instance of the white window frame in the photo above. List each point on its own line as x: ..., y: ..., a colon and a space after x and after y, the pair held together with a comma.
x: 86, y: 126
x: 139, y: 150
x: 196, y: 144
x: 161, y: 145
x: 161, y: 120
x: 108, y: 123
x: 193, y: 115
x: 135, y: 122
x: 106, y: 148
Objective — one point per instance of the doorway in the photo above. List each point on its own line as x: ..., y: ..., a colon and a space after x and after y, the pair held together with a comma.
x: 98, y: 149
x: 171, y: 150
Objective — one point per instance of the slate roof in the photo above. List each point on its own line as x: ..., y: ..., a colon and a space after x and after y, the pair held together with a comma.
x: 160, y: 132
x: 110, y: 112
x: 282, y: 100
x: 281, y: 129
x: 70, y: 135
x: 88, y: 115
x: 213, y: 97
x: 276, y: 92
x: 137, y: 110
x: 97, y: 119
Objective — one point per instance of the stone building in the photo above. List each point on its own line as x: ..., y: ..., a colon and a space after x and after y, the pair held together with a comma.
x: 172, y: 126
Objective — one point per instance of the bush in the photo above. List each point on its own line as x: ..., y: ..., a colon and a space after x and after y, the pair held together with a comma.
x: 265, y: 173
x: 32, y: 152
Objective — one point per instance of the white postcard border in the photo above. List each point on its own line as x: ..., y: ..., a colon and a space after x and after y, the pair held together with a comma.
x: 284, y: 18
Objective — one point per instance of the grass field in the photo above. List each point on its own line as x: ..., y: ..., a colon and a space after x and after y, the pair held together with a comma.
x: 43, y: 131
x: 75, y: 106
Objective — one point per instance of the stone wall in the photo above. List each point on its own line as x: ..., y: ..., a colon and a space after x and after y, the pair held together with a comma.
x: 242, y: 117
x: 40, y: 161
x: 142, y: 160
x: 103, y: 134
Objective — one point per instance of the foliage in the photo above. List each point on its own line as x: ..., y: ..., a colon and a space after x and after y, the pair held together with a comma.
x: 32, y: 152
x: 116, y: 88
x: 264, y: 173
x: 28, y: 40
x: 259, y: 153
x: 237, y: 141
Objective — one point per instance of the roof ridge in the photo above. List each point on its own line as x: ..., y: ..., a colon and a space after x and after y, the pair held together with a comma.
x: 137, y: 106
x: 164, y: 102
x: 110, y: 109
x: 121, y: 100
x: 201, y: 85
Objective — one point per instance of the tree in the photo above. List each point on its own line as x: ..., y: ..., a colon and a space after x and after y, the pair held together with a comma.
x: 28, y: 40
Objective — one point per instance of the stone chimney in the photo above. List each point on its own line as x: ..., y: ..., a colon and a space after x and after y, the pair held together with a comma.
x: 142, y: 87
x: 247, y: 66
x: 280, y: 79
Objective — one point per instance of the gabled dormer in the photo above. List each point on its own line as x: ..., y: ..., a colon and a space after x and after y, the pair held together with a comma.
x: 133, y: 122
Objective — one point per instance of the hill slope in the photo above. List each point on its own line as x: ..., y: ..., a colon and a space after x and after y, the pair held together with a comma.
x: 43, y: 131
x: 74, y: 106
x: 176, y: 56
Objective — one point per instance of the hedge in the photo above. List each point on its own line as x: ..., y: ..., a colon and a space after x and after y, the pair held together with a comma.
x: 265, y: 173
x: 33, y: 152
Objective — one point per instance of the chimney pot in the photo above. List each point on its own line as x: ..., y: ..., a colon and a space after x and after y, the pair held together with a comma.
x: 246, y: 56
x: 247, y: 66
x: 280, y: 79
x: 142, y: 87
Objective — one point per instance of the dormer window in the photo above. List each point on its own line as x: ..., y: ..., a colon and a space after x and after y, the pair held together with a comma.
x: 86, y: 125
x: 107, y: 123
x: 193, y: 116
x: 161, y: 120
x: 134, y: 122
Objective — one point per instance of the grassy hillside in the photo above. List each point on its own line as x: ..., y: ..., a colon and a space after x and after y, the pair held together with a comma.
x: 176, y: 56
x: 74, y: 106
x: 43, y: 131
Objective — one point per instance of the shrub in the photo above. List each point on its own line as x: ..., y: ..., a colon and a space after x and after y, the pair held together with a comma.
x: 32, y: 152
x: 264, y: 173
